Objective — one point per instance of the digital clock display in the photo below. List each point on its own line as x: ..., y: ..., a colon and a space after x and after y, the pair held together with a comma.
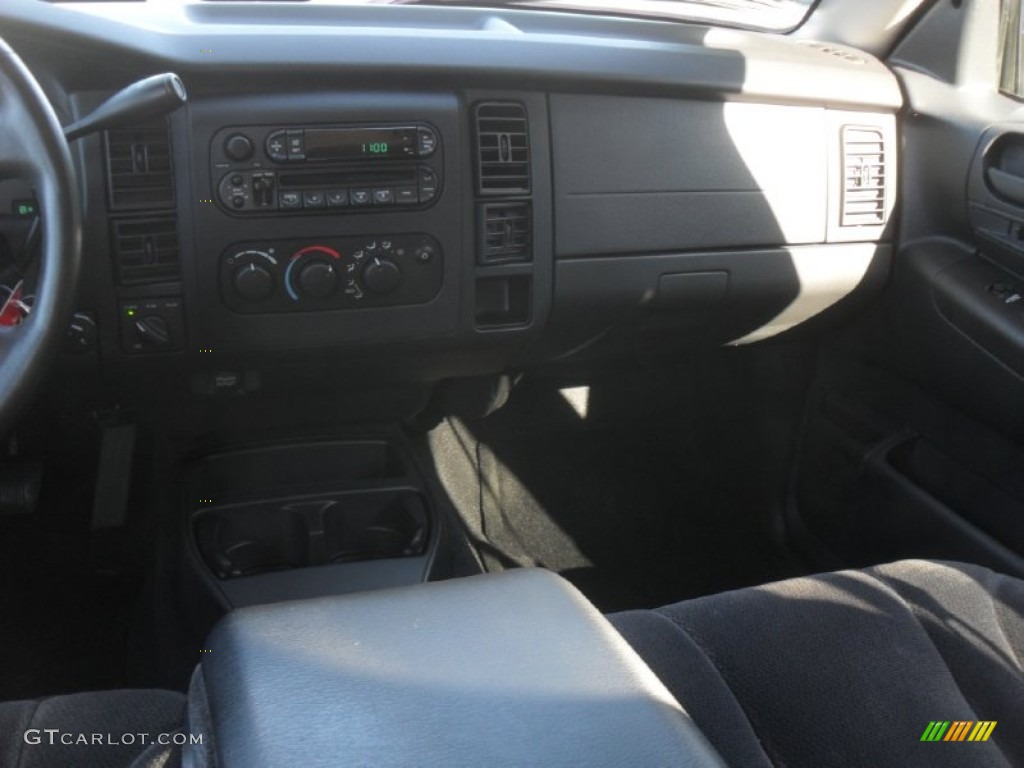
x: 359, y: 143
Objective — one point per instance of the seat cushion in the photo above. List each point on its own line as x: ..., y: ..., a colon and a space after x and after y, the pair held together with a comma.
x: 848, y: 668
x: 110, y: 718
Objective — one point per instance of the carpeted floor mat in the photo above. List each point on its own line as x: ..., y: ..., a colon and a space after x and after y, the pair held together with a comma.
x: 669, y: 488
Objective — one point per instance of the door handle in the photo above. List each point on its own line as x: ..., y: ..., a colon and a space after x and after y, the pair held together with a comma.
x: 1009, y: 186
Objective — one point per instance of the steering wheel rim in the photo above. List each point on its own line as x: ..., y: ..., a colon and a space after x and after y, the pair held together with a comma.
x: 33, y: 148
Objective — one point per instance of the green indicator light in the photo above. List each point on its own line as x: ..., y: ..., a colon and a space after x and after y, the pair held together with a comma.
x: 24, y: 207
x: 130, y: 313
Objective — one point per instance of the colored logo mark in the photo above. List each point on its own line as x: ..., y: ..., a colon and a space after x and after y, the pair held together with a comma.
x: 958, y: 730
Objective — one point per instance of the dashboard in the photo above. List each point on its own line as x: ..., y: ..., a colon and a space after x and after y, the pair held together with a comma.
x: 446, y: 191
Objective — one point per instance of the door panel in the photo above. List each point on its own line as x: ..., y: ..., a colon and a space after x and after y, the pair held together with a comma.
x: 913, y: 442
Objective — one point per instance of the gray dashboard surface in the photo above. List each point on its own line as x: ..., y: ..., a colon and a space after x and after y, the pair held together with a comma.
x: 637, y: 175
x: 415, y: 42
x: 699, y: 177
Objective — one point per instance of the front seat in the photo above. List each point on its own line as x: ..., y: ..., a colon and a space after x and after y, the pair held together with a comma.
x: 857, y: 668
x: 104, y: 729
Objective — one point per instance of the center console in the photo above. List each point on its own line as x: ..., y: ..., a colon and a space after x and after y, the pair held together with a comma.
x: 507, y: 669
x: 298, y: 520
x: 330, y: 218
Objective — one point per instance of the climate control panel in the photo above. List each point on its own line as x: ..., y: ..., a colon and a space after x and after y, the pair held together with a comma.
x: 331, y: 273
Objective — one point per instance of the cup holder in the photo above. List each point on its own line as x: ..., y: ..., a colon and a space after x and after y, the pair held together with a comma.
x: 249, y: 539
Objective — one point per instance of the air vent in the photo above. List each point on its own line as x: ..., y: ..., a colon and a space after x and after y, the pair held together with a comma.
x: 145, y: 250
x: 863, y: 177
x: 504, y: 233
x: 503, y: 148
x: 139, y: 172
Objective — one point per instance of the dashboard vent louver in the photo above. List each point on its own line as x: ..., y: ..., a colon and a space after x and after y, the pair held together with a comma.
x: 505, y: 233
x: 864, y: 187
x: 503, y: 148
x: 139, y: 168
x: 145, y: 250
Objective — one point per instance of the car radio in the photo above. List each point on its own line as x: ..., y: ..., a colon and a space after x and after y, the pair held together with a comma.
x: 268, y: 170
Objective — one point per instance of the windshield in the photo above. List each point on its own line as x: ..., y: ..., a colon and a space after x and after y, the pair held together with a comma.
x: 770, y: 15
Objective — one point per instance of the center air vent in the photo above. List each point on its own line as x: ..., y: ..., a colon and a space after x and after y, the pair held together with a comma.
x: 145, y: 250
x: 863, y: 177
x: 503, y: 148
x: 504, y: 233
x: 139, y: 170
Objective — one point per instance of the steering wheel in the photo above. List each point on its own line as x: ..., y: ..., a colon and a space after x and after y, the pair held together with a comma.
x: 33, y: 148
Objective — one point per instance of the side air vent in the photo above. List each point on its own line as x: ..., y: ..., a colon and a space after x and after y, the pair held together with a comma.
x: 504, y: 233
x: 139, y: 171
x: 863, y: 177
x: 145, y: 250
x: 503, y: 148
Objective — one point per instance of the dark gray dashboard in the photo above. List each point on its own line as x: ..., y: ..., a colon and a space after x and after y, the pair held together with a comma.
x: 724, y: 184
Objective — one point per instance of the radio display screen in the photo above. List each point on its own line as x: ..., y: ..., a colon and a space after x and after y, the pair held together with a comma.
x: 359, y: 143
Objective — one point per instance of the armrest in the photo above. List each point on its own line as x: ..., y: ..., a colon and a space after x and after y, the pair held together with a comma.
x: 510, y: 669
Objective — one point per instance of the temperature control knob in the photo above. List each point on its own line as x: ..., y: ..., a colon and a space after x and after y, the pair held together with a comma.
x: 253, y: 283
x: 318, y: 279
x: 382, y: 275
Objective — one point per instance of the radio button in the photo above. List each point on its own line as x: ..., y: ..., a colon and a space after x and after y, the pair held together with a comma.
x: 406, y: 195
x: 337, y: 198
x: 313, y: 199
x: 361, y: 197
x: 291, y: 199
x: 277, y: 146
x: 427, y: 142
x: 428, y: 185
x: 427, y: 192
x: 383, y: 196
x: 263, y: 189
x: 296, y: 145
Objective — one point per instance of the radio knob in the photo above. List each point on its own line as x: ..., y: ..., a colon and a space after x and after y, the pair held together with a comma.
x: 382, y: 275
x: 238, y: 147
x: 318, y: 279
x: 253, y: 282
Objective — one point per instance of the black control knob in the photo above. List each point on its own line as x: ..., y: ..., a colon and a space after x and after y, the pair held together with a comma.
x: 81, y: 334
x: 382, y: 275
x: 153, y: 331
x: 425, y: 253
x: 318, y: 279
x: 238, y: 147
x: 253, y: 282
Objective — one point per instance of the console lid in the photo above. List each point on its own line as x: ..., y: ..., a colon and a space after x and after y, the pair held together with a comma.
x: 507, y: 669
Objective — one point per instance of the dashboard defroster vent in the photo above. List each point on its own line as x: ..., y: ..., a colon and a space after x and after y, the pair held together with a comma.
x: 145, y: 250
x: 505, y: 235
x: 140, y: 174
x: 502, y: 148
x: 864, y: 171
